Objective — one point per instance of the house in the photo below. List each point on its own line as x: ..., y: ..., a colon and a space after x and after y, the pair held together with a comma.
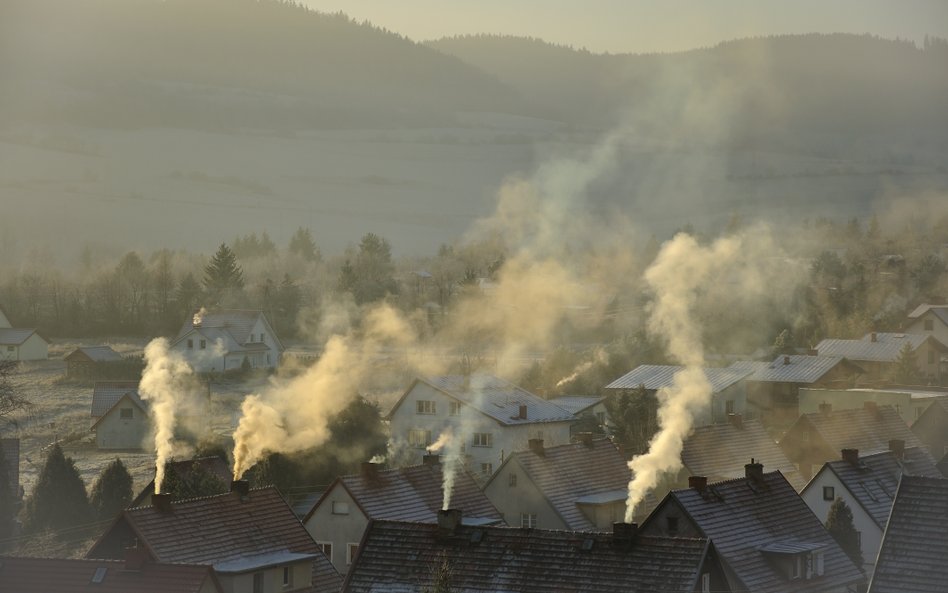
x: 84, y: 361
x: 766, y: 536
x: 878, y: 353
x: 581, y: 406
x: 213, y: 465
x: 867, y: 485
x: 340, y: 517
x: 581, y: 486
x: 909, y: 402
x: 718, y: 451
x: 21, y: 343
x: 773, y: 389
x: 493, y: 417
x: 131, y: 575
x: 929, y: 320
x: 819, y: 437
x: 251, y: 538
x: 914, y: 547
x: 420, y: 557
x: 119, y: 416
x: 227, y: 340
x: 931, y: 427
x: 728, y: 387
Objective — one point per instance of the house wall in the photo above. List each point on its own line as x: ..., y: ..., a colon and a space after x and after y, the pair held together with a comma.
x: 932, y: 429
x: 939, y: 330
x: 34, y: 348
x: 525, y: 497
x: 871, y: 534
x: 114, y: 432
x: 272, y: 579
x: 737, y: 394
x: 604, y: 515
x: 208, y: 586
x: 339, y: 530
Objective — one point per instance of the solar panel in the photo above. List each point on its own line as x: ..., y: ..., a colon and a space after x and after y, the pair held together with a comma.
x: 99, y: 575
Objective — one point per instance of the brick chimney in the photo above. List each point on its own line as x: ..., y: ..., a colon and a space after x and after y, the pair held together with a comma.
x: 826, y: 408
x: 523, y: 412
x: 536, y: 445
x: 370, y: 471
x: 754, y: 471
x: 431, y: 459
x: 135, y: 557
x: 698, y: 483
x: 162, y: 502
x: 897, y: 446
x: 241, y: 487
x: 872, y: 407
x: 873, y: 337
x: 623, y: 534
x: 586, y: 438
x: 851, y: 456
x: 786, y: 359
x: 737, y: 421
x: 448, y: 521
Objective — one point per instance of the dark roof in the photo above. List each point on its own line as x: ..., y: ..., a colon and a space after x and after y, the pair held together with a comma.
x: 403, y: 557
x: 59, y: 575
x: 94, y: 354
x: 657, y: 376
x: 236, y: 322
x: 566, y: 473
x: 912, y: 558
x: 874, y: 480
x: 213, y: 465
x: 14, y: 336
x: 413, y: 494
x: 105, y: 394
x: 221, y: 529
x: 790, y: 368
x: 861, y: 428
x: 743, y: 516
x: 719, y: 452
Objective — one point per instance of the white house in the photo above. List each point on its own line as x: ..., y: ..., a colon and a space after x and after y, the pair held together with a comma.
x: 491, y: 417
x: 119, y: 416
x: 222, y: 340
x: 21, y: 343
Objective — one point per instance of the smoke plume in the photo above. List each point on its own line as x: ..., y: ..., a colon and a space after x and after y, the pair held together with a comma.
x: 450, y: 443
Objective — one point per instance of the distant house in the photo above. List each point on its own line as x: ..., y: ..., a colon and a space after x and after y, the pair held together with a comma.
x: 21, y: 343
x: 719, y: 451
x: 878, y: 353
x: 728, y: 388
x: 867, y: 485
x: 84, y: 360
x: 214, y: 466
x: 931, y: 427
x: 773, y: 388
x: 251, y: 538
x: 909, y: 402
x: 578, y: 487
x: 132, y: 575
x: 819, y: 437
x: 227, y: 340
x: 929, y: 320
x: 582, y: 405
x: 493, y: 416
x: 417, y: 558
x: 914, y: 547
x: 119, y: 416
x: 766, y: 536
x: 339, y: 518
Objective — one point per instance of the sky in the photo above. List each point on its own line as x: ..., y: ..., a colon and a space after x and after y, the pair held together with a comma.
x: 647, y: 25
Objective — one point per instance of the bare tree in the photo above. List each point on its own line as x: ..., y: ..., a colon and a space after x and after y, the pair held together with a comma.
x: 11, y: 401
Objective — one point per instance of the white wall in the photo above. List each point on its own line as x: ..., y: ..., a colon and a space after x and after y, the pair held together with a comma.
x: 34, y: 348
x: 337, y: 529
x: 114, y: 432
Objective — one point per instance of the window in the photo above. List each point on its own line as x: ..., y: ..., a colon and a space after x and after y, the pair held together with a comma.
x: 487, y: 469
x: 512, y: 480
x: 11, y: 348
x: 829, y: 493
x: 287, y: 576
x: 481, y: 439
x: 601, y: 418
x: 258, y: 582
x: 796, y: 567
x: 729, y: 406
x: 818, y: 563
x: 190, y: 344
x: 419, y: 439
x: 326, y: 548
x: 931, y: 357
x: 262, y: 336
x: 99, y: 575
x: 929, y: 325
x: 352, y: 550
x: 203, y: 344
x: 706, y: 583
x: 340, y: 507
x: 672, y: 525
x: 454, y: 408
x: 126, y: 413
x: 528, y: 520
x: 424, y: 407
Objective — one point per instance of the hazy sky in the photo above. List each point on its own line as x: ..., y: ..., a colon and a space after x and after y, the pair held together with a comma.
x: 647, y: 25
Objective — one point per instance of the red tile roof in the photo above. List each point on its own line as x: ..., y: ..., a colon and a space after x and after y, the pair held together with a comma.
x: 57, y: 575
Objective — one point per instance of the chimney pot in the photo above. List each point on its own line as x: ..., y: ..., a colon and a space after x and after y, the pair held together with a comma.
x: 873, y: 337
x: 448, y: 521
x: 624, y: 533
x: 897, y: 446
x: 431, y: 459
x: 786, y: 359
x: 162, y: 502
x: 754, y: 471
x: 851, y: 456
x: 586, y: 438
x: 370, y: 471
x: 523, y: 412
x: 737, y: 420
x: 698, y: 483
x: 872, y: 407
x: 241, y: 487
x: 536, y: 446
x: 134, y: 558
x: 826, y: 408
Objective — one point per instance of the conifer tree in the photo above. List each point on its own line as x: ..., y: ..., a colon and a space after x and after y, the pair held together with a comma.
x: 906, y: 369
x: 223, y: 273
x: 112, y: 491
x: 59, y: 498
x: 839, y: 522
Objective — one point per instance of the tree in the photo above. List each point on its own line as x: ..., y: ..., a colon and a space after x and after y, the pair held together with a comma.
x: 112, y: 491
x: 302, y: 245
x: 634, y: 416
x: 839, y: 522
x: 59, y: 498
x: 223, y: 274
x: 188, y: 295
x: 371, y: 276
x: 906, y: 366
x: 197, y: 483
x: 11, y: 401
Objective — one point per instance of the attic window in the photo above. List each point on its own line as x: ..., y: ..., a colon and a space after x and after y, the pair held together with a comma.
x: 340, y: 508
x: 672, y: 525
x: 126, y: 413
x: 829, y: 493
x: 99, y: 575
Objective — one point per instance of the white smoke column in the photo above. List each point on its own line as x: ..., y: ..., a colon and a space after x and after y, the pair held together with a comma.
x: 451, y: 462
x: 199, y: 317
x: 166, y: 383
x: 599, y: 358
x: 443, y: 439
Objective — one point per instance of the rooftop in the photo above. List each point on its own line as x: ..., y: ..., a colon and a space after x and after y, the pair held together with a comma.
x: 574, y: 404
x: 868, y: 429
x: 236, y: 322
x: 885, y: 348
x: 940, y: 311
x: 213, y: 465
x: 655, y: 376
x: 790, y: 368
x: 95, y: 354
x: 105, y: 394
x: 59, y: 575
x: 14, y: 336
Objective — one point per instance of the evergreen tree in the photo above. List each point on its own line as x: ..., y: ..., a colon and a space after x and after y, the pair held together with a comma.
x: 197, y: 483
x: 906, y: 366
x: 112, y: 491
x: 223, y: 274
x: 8, y: 502
x: 634, y: 417
x: 302, y: 244
x: 371, y: 276
x: 59, y: 498
x: 188, y: 296
x: 839, y: 522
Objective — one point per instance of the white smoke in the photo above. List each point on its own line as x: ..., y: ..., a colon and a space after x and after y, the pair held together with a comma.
x: 198, y: 318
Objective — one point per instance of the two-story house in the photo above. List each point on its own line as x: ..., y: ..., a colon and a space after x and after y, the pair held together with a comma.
x: 491, y: 417
x: 228, y: 339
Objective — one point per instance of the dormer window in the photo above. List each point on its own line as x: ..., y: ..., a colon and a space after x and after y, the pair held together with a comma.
x: 795, y: 559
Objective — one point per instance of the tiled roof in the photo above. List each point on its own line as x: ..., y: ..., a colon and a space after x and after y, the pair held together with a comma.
x: 861, y: 428
x: 221, y: 528
x: 886, y: 348
x: 940, y: 311
x: 415, y: 494
x: 915, y: 545
x: 95, y: 354
x: 657, y: 376
x: 719, y: 452
x: 943, y: 465
x: 59, y: 575
x: 875, y: 479
x: 14, y: 336
x: 237, y: 324
x: 213, y: 465
x: 742, y: 516
x: 574, y: 404
x: 106, y: 394
x: 791, y: 368
x: 566, y: 473
x: 499, y: 399
x: 404, y: 557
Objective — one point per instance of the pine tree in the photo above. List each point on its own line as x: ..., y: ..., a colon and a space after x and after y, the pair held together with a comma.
x: 112, y: 491
x: 906, y: 367
x: 223, y: 274
x: 839, y: 522
x: 302, y: 244
x: 59, y: 498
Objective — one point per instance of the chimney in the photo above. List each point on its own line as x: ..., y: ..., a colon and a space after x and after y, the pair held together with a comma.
x: 431, y: 459
x: 873, y: 337
x: 370, y: 471
x: 786, y: 359
x: 241, y: 487
x: 162, y: 502
x: 536, y: 445
x: 448, y: 521
x: 523, y: 412
x: 897, y: 446
x: 698, y: 483
x: 754, y: 471
x: 134, y: 558
x: 872, y: 407
x: 586, y: 438
x: 812, y: 352
x: 826, y: 408
x: 623, y: 534
x: 851, y: 456
x: 737, y: 421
